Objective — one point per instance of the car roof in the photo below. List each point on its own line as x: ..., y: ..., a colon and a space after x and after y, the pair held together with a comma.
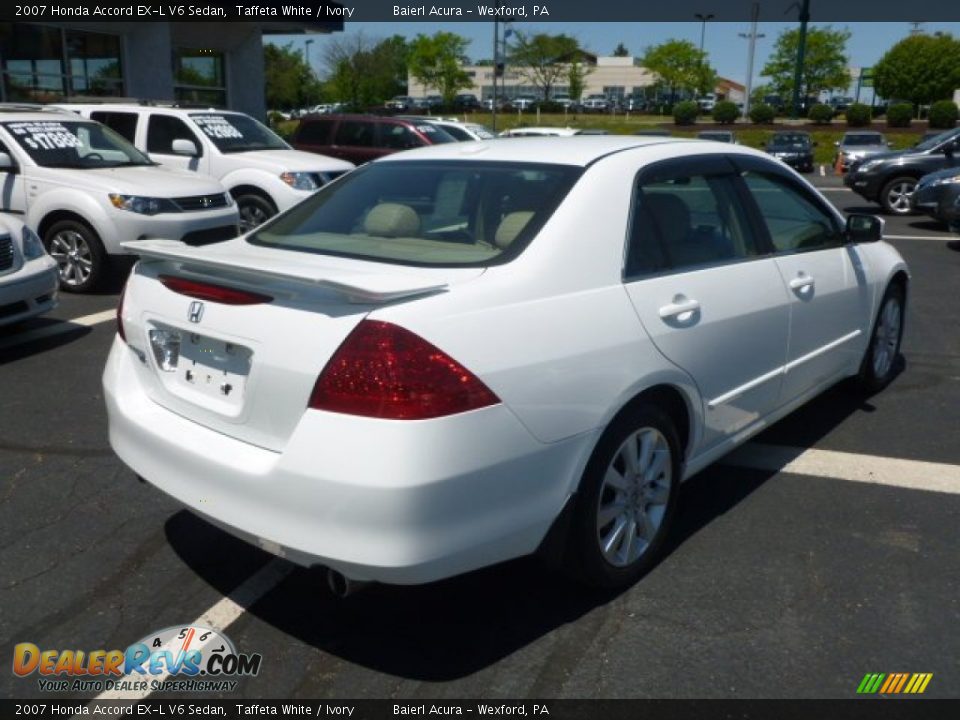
x: 11, y: 115
x: 579, y: 150
x: 138, y: 107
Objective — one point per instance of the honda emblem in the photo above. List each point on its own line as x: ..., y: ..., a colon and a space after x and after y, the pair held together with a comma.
x: 195, y: 313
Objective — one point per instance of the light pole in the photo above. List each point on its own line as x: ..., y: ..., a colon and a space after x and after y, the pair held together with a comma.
x: 801, y: 54
x: 704, y: 19
x: 753, y: 35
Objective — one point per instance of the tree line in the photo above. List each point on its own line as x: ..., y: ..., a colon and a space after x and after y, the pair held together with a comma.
x: 362, y: 72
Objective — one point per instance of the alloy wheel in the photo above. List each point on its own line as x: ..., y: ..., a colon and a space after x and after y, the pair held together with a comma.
x: 74, y: 257
x: 633, y: 497
x: 886, y: 340
x: 898, y: 196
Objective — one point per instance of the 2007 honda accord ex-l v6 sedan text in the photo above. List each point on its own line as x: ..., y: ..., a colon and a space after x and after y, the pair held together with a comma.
x: 458, y: 355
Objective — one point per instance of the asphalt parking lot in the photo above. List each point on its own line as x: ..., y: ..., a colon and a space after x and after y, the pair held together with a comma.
x: 782, y: 581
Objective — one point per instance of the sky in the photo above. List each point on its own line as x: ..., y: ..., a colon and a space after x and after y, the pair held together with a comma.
x: 727, y: 51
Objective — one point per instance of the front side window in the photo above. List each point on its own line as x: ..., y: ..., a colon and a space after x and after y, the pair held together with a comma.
x: 162, y: 130
x: 74, y: 144
x: 233, y: 132
x: 794, y: 221
x: 448, y: 214
x: 314, y: 132
x: 685, y: 222
x: 399, y: 137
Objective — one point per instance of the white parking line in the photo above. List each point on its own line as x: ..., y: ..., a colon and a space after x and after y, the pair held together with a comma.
x: 893, y: 472
x: 220, y: 616
x: 57, y: 328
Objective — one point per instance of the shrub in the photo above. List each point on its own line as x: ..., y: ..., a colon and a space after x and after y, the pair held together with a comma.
x: 858, y: 115
x: 820, y: 114
x: 900, y: 115
x: 943, y: 115
x: 762, y: 114
x: 274, y: 118
x: 685, y: 113
x: 726, y: 112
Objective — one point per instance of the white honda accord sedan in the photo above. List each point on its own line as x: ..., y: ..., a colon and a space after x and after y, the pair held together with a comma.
x: 461, y: 354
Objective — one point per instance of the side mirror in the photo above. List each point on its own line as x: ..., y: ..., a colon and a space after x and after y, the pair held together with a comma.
x: 182, y: 146
x: 864, y: 228
x: 6, y: 162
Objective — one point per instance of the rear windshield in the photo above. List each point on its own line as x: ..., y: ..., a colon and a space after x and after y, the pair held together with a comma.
x: 445, y: 214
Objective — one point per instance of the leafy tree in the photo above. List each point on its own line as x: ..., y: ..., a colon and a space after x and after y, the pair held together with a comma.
x: 824, y: 67
x: 290, y: 81
x: 542, y: 59
x: 919, y: 68
x: 437, y: 62
x: 362, y: 73
x: 621, y: 51
x: 680, y: 65
x: 577, y: 79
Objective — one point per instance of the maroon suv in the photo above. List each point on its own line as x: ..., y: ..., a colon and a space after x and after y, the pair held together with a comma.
x: 362, y: 138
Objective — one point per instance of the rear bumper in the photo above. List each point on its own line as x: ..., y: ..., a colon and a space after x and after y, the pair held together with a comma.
x: 387, y: 501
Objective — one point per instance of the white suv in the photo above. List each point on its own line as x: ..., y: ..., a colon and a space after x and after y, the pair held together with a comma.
x: 262, y: 172
x: 84, y: 190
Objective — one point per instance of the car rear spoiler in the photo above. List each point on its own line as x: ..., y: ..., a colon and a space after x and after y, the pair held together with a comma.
x: 356, y: 287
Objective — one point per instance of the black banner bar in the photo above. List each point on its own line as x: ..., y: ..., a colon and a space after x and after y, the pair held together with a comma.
x: 325, y: 11
x: 874, y: 708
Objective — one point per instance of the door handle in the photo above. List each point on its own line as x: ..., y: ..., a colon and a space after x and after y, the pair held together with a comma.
x: 802, y: 283
x: 681, y: 305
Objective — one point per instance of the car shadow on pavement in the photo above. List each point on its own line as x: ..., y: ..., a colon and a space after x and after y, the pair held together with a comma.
x: 13, y: 348
x: 453, y: 628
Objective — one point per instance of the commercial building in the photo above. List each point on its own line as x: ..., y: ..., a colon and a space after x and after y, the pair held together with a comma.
x: 613, y: 77
x: 211, y: 63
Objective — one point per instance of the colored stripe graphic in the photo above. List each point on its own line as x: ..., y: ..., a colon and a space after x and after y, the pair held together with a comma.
x: 894, y: 683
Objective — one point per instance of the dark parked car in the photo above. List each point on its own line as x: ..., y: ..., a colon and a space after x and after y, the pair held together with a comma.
x: 938, y: 195
x: 654, y: 132
x: 466, y: 101
x: 793, y: 148
x: 891, y: 178
x: 362, y: 138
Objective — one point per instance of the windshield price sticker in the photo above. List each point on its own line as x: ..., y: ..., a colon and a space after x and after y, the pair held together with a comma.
x: 217, y: 126
x: 44, y: 135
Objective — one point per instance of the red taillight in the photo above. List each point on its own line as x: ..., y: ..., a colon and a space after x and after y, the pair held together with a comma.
x: 384, y: 371
x: 120, y: 331
x: 213, y: 293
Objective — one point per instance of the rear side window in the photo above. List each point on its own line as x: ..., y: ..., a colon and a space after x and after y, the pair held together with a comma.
x: 449, y: 214
x: 162, y: 130
x: 794, y: 221
x: 315, y: 132
x: 122, y: 123
x: 686, y: 222
x: 357, y: 133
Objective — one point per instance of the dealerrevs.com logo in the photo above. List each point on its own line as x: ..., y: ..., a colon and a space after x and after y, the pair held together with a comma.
x: 176, y: 659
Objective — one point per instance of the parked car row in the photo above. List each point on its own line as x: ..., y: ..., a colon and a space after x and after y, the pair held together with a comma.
x: 86, y: 178
x: 920, y: 179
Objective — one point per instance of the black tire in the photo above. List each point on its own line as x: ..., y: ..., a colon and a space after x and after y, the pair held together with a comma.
x: 79, y: 253
x: 890, y: 190
x: 877, y: 374
x: 585, y: 558
x: 254, y: 209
